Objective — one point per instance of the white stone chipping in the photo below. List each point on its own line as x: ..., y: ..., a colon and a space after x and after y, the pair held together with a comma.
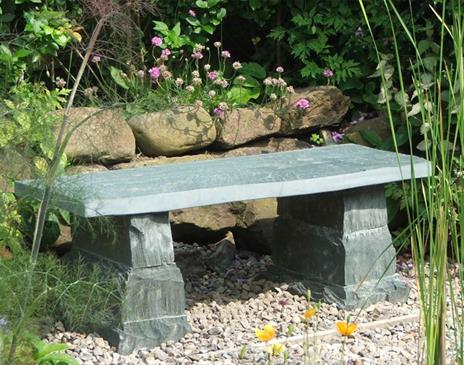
x: 224, y: 309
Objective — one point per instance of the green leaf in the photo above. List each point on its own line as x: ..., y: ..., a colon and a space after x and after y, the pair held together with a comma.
x: 254, y: 4
x: 176, y: 29
x: 402, y: 136
x: 242, y: 95
x: 116, y: 74
x: 193, y: 21
x: 423, y: 45
x: 253, y: 69
x: 249, y: 82
x: 430, y: 62
x: 9, y: 104
x: 161, y: 27
x: 61, y: 359
x: 22, y: 52
x: 208, y: 28
x: 51, y: 348
x: 221, y: 13
x: 372, y: 137
x: 201, y: 4
x: 213, y: 3
x: 277, y: 33
x: 5, y: 54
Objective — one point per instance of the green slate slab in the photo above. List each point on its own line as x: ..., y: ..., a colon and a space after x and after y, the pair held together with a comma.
x: 184, y: 185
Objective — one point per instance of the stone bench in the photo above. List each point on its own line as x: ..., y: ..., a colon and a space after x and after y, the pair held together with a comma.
x: 331, y: 234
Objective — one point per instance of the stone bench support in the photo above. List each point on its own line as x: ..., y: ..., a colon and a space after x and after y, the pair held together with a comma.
x: 141, y: 248
x: 338, y: 245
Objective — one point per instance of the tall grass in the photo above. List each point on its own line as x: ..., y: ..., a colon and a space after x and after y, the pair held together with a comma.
x: 436, y: 205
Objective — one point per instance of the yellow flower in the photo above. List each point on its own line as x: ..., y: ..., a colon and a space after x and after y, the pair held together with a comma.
x: 276, y: 349
x: 77, y: 36
x: 266, y: 334
x: 310, y: 312
x: 346, y: 328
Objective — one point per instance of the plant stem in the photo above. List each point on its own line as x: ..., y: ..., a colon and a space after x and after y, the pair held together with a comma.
x: 48, y: 189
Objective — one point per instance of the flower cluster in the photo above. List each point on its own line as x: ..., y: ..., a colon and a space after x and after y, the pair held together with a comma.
x: 302, y: 104
x: 201, y: 80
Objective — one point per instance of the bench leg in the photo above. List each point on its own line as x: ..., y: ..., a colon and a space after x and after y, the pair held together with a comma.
x: 141, y: 248
x: 338, y: 245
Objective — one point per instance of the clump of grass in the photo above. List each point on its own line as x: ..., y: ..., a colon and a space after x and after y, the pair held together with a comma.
x: 436, y: 205
x: 80, y: 295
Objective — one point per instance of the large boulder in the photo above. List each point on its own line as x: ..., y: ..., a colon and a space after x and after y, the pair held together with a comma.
x: 173, y: 131
x: 210, y: 223
x: 327, y: 106
x: 243, y: 125
x: 104, y: 138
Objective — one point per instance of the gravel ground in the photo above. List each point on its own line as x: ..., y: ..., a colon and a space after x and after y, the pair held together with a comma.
x: 224, y: 309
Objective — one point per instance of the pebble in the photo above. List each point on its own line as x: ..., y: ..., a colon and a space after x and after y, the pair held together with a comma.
x: 224, y: 309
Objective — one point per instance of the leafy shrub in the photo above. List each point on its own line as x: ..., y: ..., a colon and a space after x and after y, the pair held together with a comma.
x: 31, y: 41
x: 306, y: 37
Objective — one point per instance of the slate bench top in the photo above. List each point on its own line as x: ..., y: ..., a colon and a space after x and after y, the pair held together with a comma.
x: 184, y: 185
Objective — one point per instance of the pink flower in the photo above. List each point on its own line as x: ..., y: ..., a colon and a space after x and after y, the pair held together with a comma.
x: 197, y: 55
x: 219, y: 112
x: 280, y: 69
x: 328, y: 73
x: 154, y: 73
x: 165, y: 54
x: 302, y: 104
x: 225, y: 54
x: 157, y: 41
x: 192, y: 13
x: 96, y: 58
x: 212, y: 75
x: 337, y: 137
x: 60, y: 82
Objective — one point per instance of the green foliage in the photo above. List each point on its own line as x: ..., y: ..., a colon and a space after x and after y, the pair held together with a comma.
x: 316, y: 139
x: 83, y: 296
x: 32, y: 350
x: 10, y: 223
x: 307, y: 37
x: 248, y: 88
x: 25, y: 119
x: 435, y: 205
x: 26, y: 133
x: 189, y: 23
x: 50, y: 353
x: 43, y: 33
